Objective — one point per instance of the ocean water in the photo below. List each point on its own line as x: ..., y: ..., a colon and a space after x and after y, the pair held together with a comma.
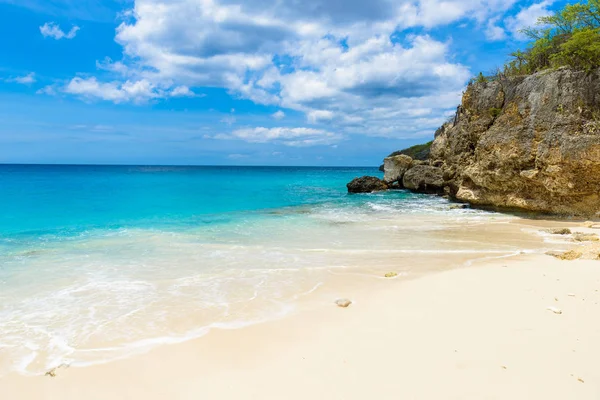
x: 102, y: 262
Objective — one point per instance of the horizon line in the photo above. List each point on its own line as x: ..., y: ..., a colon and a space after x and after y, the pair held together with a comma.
x: 184, y: 165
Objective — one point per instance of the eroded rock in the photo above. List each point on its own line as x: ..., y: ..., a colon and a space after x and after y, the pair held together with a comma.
x: 531, y: 143
x: 559, y: 231
x: 366, y: 184
x: 585, y: 237
x: 424, y: 179
x: 395, y: 167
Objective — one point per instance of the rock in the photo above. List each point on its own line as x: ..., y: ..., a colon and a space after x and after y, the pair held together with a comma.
x: 343, y: 303
x: 526, y: 142
x: 391, y: 275
x: 52, y: 373
x: 424, y: 179
x: 567, y: 256
x: 555, y: 310
x: 382, y: 168
x: 458, y: 206
x: 585, y: 237
x: 559, y: 231
x: 395, y: 167
x: 366, y: 184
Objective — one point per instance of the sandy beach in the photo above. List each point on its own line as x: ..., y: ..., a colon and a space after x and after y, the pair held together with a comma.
x: 524, y: 327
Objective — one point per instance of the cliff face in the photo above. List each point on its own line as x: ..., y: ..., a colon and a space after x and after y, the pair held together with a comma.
x: 531, y: 143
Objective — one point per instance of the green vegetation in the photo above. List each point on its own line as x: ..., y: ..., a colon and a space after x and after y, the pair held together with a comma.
x: 495, y: 112
x: 418, y: 152
x: 568, y: 38
x: 481, y: 78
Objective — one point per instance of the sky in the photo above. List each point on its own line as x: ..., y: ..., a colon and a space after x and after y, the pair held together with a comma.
x: 232, y: 82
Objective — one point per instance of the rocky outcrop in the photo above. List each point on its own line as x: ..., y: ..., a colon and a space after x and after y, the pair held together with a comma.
x: 395, y: 167
x: 424, y: 179
x: 531, y: 143
x: 366, y: 184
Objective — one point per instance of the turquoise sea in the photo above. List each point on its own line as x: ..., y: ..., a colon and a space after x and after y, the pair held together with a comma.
x: 101, y: 262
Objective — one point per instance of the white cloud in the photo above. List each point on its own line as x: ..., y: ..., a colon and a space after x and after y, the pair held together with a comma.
x: 333, y: 60
x: 53, y: 30
x: 135, y: 91
x: 49, y: 90
x: 182, y: 91
x: 316, y: 116
x: 24, y: 80
x: 278, y: 115
x: 493, y: 31
x: 295, y: 137
x: 528, y: 17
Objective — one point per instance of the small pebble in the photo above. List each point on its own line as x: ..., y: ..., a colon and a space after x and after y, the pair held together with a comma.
x: 391, y: 275
x: 344, y: 303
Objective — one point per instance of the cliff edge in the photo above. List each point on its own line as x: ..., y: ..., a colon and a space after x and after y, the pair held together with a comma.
x: 529, y: 142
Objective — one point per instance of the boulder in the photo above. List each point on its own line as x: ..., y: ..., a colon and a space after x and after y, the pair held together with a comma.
x: 424, y: 179
x: 366, y: 184
x: 395, y: 167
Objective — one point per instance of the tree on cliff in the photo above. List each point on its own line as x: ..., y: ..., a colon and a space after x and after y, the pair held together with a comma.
x: 570, y: 37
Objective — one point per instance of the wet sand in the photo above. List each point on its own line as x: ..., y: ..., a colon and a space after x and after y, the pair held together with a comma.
x: 524, y: 326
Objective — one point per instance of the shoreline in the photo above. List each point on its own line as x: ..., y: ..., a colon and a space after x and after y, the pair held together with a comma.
x: 327, y: 347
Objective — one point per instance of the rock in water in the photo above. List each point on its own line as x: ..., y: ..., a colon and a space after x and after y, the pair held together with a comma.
x: 395, y: 167
x: 343, y: 303
x: 366, y: 184
x: 424, y: 179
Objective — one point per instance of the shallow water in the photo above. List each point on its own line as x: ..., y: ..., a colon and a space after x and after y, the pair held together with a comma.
x: 98, y: 263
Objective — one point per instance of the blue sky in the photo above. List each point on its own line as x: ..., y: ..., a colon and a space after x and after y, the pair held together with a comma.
x: 269, y: 82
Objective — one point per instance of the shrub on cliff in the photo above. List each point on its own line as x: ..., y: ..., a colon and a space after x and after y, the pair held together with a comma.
x: 418, y: 152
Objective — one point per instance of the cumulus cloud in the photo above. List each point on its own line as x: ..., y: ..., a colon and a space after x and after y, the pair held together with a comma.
x: 53, y: 30
x: 135, y: 91
x: 278, y: 115
x: 181, y: 91
x: 25, y: 79
x: 340, y: 62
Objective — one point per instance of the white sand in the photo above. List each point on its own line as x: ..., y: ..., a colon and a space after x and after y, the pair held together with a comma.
x: 477, y: 333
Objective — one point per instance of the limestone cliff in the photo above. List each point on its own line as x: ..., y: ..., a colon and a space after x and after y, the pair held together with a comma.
x: 531, y: 143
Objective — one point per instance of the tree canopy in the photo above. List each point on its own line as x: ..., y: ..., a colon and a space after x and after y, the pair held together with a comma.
x: 570, y: 37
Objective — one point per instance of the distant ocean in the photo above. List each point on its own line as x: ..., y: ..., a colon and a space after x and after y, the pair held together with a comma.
x: 100, y: 262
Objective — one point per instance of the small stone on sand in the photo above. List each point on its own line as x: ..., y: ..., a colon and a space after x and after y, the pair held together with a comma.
x: 567, y: 256
x: 559, y: 231
x: 586, y: 237
x: 555, y: 310
x: 391, y: 275
x: 344, y: 303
